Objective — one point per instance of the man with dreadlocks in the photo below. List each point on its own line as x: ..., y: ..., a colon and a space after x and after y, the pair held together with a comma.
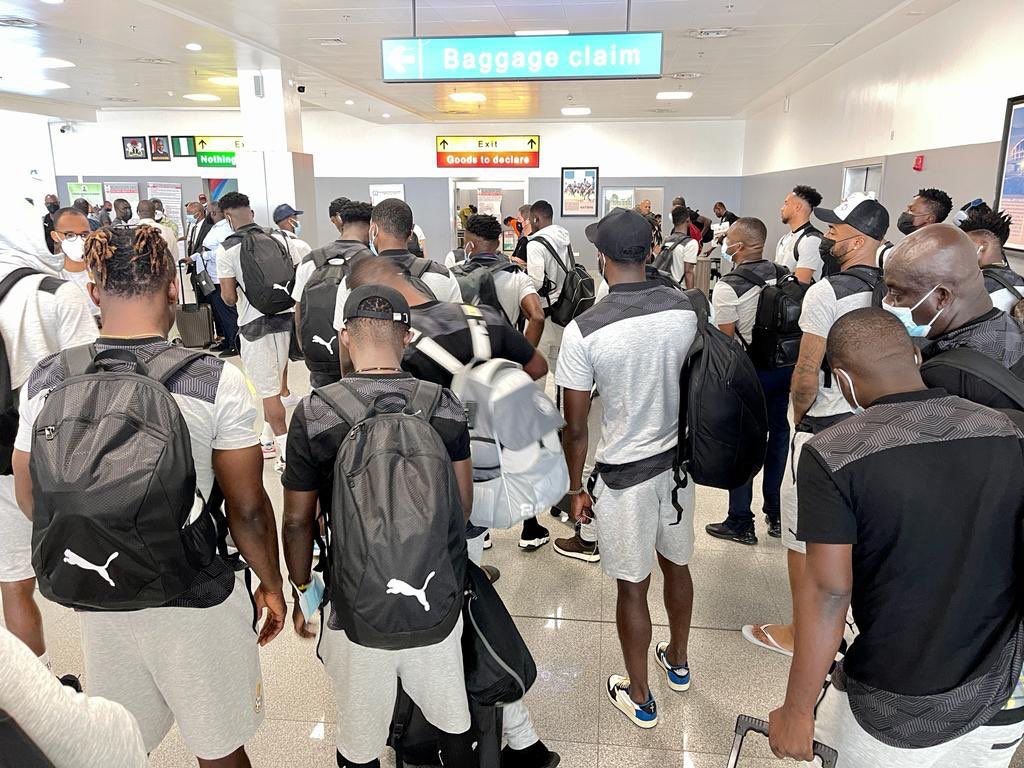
x: 989, y: 230
x: 192, y: 660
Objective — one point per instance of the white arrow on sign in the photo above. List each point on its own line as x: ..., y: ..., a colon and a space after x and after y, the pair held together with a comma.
x: 399, y: 57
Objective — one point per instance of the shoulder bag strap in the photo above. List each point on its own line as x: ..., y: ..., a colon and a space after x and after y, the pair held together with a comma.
x: 478, y: 333
x: 77, y: 360
x: 552, y: 250
x: 14, y: 278
x: 425, y: 400
x: 982, y: 366
x: 435, y: 352
x: 165, y: 364
x: 344, y: 402
x: 749, y: 276
x: 993, y: 271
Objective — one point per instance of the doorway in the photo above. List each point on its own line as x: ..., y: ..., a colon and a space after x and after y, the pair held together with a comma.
x: 501, y: 199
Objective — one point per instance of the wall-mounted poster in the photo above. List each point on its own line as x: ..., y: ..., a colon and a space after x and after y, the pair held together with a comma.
x: 380, y: 192
x: 1010, y: 189
x: 579, y: 192
x: 123, y: 190
x: 488, y: 202
x: 134, y: 147
x: 619, y: 197
x: 159, y: 148
x: 93, y: 192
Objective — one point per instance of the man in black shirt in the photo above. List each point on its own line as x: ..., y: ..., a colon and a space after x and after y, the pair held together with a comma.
x: 936, y: 288
x: 927, y: 557
x: 724, y: 214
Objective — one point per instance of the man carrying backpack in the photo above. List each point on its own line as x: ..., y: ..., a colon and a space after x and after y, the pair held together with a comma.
x: 938, y: 292
x: 633, y: 345
x: 397, y: 549
x: 989, y: 230
x: 547, y: 263
x: 168, y: 630
x: 498, y: 283
x: 317, y: 281
x: 799, y: 250
x: 856, y: 227
x: 256, y: 273
x: 39, y: 315
x: 737, y: 301
x: 679, y: 253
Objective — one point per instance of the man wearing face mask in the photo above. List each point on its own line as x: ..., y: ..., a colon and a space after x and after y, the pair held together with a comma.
x: 928, y: 206
x: 164, y: 220
x: 286, y: 221
x: 855, y: 229
x: 928, y: 559
x: 70, y: 228
x: 122, y: 212
x: 989, y: 230
x: 938, y: 292
x: 52, y: 203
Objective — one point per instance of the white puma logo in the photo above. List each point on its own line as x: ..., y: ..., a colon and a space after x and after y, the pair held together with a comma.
x: 279, y: 287
x: 328, y: 344
x: 399, y: 587
x: 79, y: 561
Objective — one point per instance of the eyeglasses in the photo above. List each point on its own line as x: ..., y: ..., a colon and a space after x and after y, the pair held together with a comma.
x: 72, y: 236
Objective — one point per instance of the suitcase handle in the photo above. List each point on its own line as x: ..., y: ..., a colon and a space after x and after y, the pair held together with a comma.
x: 745, y: 724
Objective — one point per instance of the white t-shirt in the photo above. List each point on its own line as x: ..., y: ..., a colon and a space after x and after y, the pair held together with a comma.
x: 512, y: 289
x: 632, y: 345
x: 35, y: 323
x: 82, y: 280
x: 212, y: 395
x: 299, y: 249
x: 540, y: 264
x: 207, y: 257
x: 810, y: 253
x: 169, y: 235
x: 735, y: 299
x: 681, y: 256
x: 229, y: 265
x: 306, y: 269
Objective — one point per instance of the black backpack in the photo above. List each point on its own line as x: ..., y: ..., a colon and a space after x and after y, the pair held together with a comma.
x: 877, y: 285
x: 17, y: 750
x: 267, y: 270
x: 415, y: 267
x: 995, y: 271
x: 476, y: 282
x: 980, y: 366
x: 883, y: 252
x: 654, y: 275
x: 117, y: 523
x: 413, y: 246
x: 775, y: 340
x: 578, y: 289
x: 809, y: 229
x: 8, y: 398
x: 319, y: 298
x: 663, y: 263
x: 723, y: 421
x: 397, y: 541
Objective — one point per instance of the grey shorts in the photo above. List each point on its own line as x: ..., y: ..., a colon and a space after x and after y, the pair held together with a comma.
x: 636, y: 523
x: 15, y: 536
x: 788, y: 494
x: 265, y: 361
x: 199, y: 667
x: 365, y: 682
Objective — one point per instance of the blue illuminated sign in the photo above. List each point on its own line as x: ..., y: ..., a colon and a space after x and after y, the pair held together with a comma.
x: 612, y: 55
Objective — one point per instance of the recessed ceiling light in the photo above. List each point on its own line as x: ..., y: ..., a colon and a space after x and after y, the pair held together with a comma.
x: 329, y: 42
x: 673, y: 95
x: 194, y: 47
x: 53, y: 2
x: 120, y: 99
x: 30, y: 85
x: 226, y: 81
x: 385, y: 115
x: 349, y: 102
x: 201, y: 97
x: 540, y: 32
x: 152, y: 60
x: 467, y: 97
x: 711, y: 33
x: 687, y: 75
x: 915, y: 13
x: 49, y: 62
x: 170, y: 93
x: 660, y: 111
x: 575, y: 111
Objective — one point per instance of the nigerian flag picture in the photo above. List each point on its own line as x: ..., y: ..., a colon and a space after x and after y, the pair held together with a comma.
x: 183, y: 146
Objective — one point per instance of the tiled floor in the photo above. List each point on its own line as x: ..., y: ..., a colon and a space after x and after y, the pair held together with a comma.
x: 565, y: 610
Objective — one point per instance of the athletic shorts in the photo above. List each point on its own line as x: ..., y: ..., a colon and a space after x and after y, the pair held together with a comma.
x: 197, y: 666
x: 635, y: 523
x: 365, y: 682
x: 788, y: 494
x: 984, y: 747
x: 15, y: 536
x: 265, y: 361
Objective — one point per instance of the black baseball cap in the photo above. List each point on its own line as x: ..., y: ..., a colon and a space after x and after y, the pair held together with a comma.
x: 285, y: 211
x: 863, y: 213
x: 622, y: 235
x: 398, y: 311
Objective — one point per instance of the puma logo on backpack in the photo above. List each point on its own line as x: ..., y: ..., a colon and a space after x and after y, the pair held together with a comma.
x: 328, y: 345
x: 399, y: 587
x: 79, y: 561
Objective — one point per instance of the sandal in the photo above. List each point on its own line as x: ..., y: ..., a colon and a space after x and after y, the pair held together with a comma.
x: 771, y: 645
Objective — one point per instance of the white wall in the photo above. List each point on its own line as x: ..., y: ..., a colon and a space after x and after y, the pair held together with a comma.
x: 942, y: 83
x: 26, y: 154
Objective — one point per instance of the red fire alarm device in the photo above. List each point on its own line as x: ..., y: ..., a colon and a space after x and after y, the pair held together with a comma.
x: 919, y: 163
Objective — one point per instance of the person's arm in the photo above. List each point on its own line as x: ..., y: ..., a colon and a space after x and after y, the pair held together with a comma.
x: 226, y: 276
x: 534, y: 314
x: 297, y: 532
x: 804, y: 275
x: 28, y: 410
x: 229, y: 290
x: 805, y: 375
x: 726, y: 306
x: 689, y: 253
x: 575, y: 438
x: 464, y: 477
x: 535, y: 261
x: 689, y: 275
x: 22, y: 482
x: 704, y: 223
x: 537, y: 367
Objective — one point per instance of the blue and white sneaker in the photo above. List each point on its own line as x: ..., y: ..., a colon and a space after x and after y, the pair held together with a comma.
x: 678, y: 677
x: 641, y: 715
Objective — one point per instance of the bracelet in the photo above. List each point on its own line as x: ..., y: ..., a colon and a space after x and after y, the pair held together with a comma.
x: 302, y: 588
x: 578, y: 492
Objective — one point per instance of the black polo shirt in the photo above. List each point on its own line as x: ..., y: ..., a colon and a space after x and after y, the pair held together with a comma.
x: 929, y: 490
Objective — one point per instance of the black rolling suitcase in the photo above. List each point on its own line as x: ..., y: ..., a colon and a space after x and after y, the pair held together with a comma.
x: 194, y: 321
x: 745, y: 724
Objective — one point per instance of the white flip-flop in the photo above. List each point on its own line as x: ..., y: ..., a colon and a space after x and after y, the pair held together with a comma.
x: 771, y: 645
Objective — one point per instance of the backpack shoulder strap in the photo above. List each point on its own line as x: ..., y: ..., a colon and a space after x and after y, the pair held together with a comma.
x: 983, y: 367
x: 995, y: 272
x: 425, y: 400
x: 77, y: 360
x: 344, y: 402
x: 170, y: 361
x: 699, y: 304
x: 13, y: 279
x: 51, y: 285
x: 435, y: 352
x: 862, y: 278
x: 750, y: 276
x: 553, y: 251
x: 478, y: 333
x: 419, y: 267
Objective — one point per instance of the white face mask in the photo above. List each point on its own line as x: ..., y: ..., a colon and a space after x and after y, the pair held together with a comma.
x: 158, y: 216
x: 726, y: 256
x: 74, y: 248
x: 857, y: 408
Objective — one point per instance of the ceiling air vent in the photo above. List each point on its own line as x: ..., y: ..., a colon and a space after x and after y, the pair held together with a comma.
x: 151, y: 60
x: 712, y: 33
x: 328, y: 42
x: 119, y: 99
x: 17, y: 22
x: 686, y: 75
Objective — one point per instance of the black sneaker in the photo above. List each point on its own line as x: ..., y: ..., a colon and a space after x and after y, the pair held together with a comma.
x: 534, y: 536
x: 774, y: 527
x: 229, y: 353
x: 534, y: 756
x: 725, y: 531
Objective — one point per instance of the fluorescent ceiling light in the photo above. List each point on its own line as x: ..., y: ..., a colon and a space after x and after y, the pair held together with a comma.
x: 226, y: 81
x: 30, y: 85
x: 194, y: 47
x: 540, y: 32
x: 574, y: 111
x: 49, y: 62
x: 467, y: 97
x: 53, y: 2
x: 349, y: 102
x: 201, y: 97
x: 385, y: 115
x: 673, y: 95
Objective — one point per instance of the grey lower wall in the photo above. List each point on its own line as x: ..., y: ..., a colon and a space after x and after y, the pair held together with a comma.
x: 964, y: 172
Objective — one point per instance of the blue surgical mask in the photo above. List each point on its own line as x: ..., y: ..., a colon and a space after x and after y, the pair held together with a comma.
x: 857, y: 407
x: 726, y: 256
x: 906, y: 316
x: 297, y: 229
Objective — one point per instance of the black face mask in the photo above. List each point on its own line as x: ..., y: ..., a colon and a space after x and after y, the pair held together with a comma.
x: 52, y: 207
x: 825, y: 248
x: 905, y: 223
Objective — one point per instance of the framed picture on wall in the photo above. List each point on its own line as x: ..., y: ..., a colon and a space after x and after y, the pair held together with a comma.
x: 1010, y: 183
x: 134, y: 147
x: 159, y: 148
x: 619, y: 197
x: 579, y: 191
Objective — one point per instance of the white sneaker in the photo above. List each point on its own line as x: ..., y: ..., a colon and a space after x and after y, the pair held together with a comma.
x: 279, y: 465
x: 291, y: 400
x: 641, y: 715
x: 269, y: 450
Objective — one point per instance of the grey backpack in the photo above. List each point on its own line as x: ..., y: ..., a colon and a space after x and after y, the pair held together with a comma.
x: 397, y: 542
x: 117, y: 523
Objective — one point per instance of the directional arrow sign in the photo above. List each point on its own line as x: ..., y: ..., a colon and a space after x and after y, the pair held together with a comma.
x: 401, y: 58
x: 488, y: 151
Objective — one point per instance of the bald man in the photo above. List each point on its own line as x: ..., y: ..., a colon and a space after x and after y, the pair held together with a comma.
x: 937, y: 290
x: 147, y: 216
x: 926, y: 557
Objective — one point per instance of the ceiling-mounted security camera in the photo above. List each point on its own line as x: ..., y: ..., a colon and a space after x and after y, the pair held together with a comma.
x: 300, y: 88
x: 67, y: 128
